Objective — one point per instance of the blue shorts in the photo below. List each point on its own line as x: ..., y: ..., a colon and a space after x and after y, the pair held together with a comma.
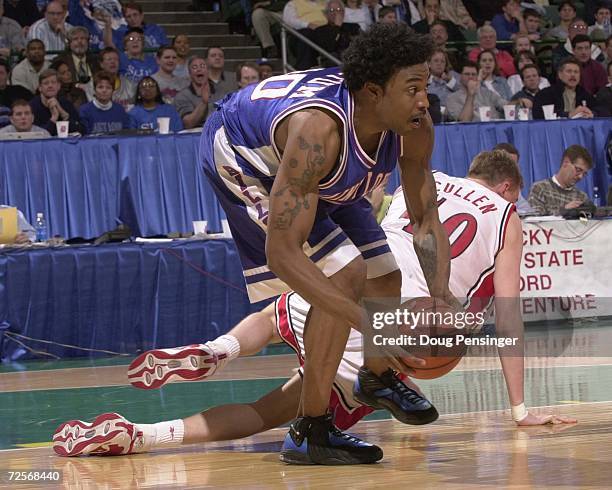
x: 339, y: 233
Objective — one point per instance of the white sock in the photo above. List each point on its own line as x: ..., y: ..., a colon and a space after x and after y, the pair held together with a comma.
x: 226, y: 344
x: 162, y: 434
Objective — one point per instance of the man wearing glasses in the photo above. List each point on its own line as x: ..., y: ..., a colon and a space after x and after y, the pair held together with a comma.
x: 52, y: 30
x: 134, y: 64
x: 578, y: 26
x: 550, y: 196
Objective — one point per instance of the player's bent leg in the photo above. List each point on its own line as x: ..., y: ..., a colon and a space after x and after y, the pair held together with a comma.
x: 380, y: 387
x: 312, y: 438
x: 155, y: 368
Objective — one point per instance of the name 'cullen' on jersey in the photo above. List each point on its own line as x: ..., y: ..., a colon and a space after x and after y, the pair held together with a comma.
x: 252, y: 115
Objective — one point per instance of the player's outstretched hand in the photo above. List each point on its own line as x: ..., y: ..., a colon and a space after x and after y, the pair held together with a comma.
x: 534, y: 419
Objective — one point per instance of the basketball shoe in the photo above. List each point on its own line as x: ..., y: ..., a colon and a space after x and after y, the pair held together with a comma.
x: 109, y: 434
x: 155, y: 368
x: 315, y: 440
x: 388, y: 392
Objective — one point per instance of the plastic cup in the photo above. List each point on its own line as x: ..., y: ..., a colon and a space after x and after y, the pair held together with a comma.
x: 163, y: 123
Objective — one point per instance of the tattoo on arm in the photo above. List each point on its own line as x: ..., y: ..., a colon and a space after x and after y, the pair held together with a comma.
x: 427, y: 252
x: 294, y: 194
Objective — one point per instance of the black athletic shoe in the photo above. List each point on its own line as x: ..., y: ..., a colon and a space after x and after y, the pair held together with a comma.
x: 315, y: 440
x: 388, y: 392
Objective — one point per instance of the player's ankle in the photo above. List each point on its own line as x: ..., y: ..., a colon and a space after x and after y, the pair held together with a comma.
x: 226, y: 344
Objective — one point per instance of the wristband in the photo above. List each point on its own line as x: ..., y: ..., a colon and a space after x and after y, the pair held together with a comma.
x: 519, y: 412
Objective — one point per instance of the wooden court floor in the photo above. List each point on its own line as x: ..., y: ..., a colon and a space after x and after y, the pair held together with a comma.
x: 473, y: 445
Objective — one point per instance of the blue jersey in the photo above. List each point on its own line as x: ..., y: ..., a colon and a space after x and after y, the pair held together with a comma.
x: 252, y: 115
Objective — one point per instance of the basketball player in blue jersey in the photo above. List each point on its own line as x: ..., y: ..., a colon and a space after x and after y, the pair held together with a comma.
x: 290, y: 160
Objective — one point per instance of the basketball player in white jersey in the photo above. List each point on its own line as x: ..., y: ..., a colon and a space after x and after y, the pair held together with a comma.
x: 486, y: 248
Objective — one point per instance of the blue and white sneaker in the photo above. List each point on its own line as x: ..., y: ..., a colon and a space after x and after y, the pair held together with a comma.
x: 388, y: 392
x: 315, y: 440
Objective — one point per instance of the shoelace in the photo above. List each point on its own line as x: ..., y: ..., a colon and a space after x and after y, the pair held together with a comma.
x: 347, y: 437
x: 405, y: 392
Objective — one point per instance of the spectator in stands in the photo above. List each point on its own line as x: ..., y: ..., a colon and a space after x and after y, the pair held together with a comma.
x: 51, y: 29
x: 49, y: 107
x: 551, y: 196
x: 306, y: 16
x: 515, y: 82
x: 357, y: 12
x: 246, y: 74
x: 568, y: 97
x: 564, y: 50
x: 124, y: 90
x: 169, y: 84
x: 27, y: 71
x: 431, y: 14
x: 336, y: 35
x: 22, y: 120
x: 522, y: 43
x: 266, y: 70
x: 97, y: 17
x: 604, y: 96
x: 387, y: 15
x: 9, y: 93
x: 81, y: 63
x: 602, y: 21
x: 149, y: 106
x: 443, y: 80
x: 24, y: 12
x: 263, y: 19
x: 488, y: 73
x: 181, y: 45
x: 510, y: 22
x: 11, y: 35
x: 487, y: 39
x: 373, y: 10
x: 224, y: 81
x: 102, y: 115
x: 567, y: 14
x: 608, y: 53
x: 195, y: 103
x: 454, y: 11
x: 592, y: 75
x: 154, y: 35
x: 74, y: 92
x: 522, y: 205
x: 464, y: 104
x: 530, y: 79
x: 533, y: 24
x: 439, y: 34
x: 134, y: 63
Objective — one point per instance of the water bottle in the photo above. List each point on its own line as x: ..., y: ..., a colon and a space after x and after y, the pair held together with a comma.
x: 41, y: 228
x: 596, y: 199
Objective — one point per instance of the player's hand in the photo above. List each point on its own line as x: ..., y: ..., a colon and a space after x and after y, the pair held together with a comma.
x: 402, y: 361
x: 573, y: 204
x: 552, y: 419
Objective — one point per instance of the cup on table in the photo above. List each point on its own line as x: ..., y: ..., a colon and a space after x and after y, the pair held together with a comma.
x: 485, y: 113
x: 510, y: 112
x: 163, y: 123
x: 62, y: 128
x: 549, y: 111
x: 523, y: 114
x: 199, y: 227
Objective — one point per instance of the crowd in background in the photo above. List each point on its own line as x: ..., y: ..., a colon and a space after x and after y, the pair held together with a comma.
x: 99, y: 67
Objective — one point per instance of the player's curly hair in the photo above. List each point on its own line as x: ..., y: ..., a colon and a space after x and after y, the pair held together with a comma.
x: 376, y: 55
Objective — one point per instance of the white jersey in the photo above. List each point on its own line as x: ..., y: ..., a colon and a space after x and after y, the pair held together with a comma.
x: 475, y: 219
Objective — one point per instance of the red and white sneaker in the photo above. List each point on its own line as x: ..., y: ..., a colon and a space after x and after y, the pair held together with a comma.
x: 108, y: 435
x: 155, y: 368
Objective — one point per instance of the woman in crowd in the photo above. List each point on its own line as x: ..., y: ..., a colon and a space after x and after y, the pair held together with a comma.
x: 169, y: 83
x: 69, y: 89
x: 150, y: 105
x: 443, y: 80
x: 522, y: 59
x: 181, y: 45
x: 50, y: 107
x: 488, y: 73
x: 102, y: 115
x: 356, y: 12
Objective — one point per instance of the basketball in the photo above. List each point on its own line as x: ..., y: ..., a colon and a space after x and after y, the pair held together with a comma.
x: 435, y: 335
